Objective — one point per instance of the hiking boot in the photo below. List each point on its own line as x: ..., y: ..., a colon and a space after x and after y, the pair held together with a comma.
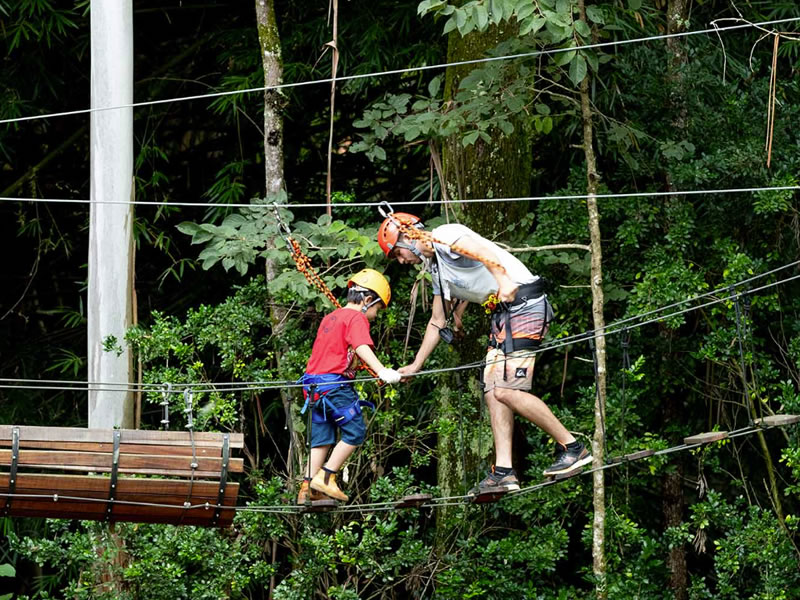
x: 325, y: 482
x: 306, y: 494
x: 568, y: 459
x: 494, y: 482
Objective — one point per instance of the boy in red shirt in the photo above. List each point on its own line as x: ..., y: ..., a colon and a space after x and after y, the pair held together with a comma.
x: 342, y: 338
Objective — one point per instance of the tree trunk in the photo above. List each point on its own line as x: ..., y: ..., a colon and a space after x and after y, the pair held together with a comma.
x: 672, y: 490
x: 269, y: 40
x: 270, y: 46
x: 109, y: 298
x: 598, y: 441
x: 499, y: 169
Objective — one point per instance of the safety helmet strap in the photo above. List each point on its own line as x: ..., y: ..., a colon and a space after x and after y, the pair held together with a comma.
x: 412, y: 247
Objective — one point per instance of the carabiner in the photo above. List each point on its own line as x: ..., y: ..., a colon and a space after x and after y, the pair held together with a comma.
x: 383, y: 212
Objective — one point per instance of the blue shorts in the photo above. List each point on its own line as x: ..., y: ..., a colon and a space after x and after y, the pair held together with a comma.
x: 353, y: 433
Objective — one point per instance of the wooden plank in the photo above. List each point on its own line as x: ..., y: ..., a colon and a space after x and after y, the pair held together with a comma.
x: 413, y: 500
x: 319, y: 506
x: 705, y: 438
x: 97, y: 512
x: 129, y: 436
x: 204, y: 451
x: 155, y: 490
x: 161, y: 492
x: 640, y: 454
x: 777, y: 420
x: 490, y: 496
x: 631, y: 456
x: 128, y: 463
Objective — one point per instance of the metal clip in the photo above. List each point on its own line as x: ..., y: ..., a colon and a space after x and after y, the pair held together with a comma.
x: 187, y: 398
x: 165, y: 392
x: 491, y: 303
x: 385, y: 209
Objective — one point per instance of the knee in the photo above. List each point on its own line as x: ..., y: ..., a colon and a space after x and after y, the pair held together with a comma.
x: 504, y: 395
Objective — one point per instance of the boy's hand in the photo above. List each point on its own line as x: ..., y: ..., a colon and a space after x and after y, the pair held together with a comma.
x: 389, y: 375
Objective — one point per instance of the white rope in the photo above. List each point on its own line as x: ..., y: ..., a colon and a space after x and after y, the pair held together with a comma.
x: 746, y: 190
x: 714, y: 30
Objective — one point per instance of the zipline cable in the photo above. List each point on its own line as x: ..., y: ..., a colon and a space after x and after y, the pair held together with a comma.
x: 753, y: 190
x: 344, y: 78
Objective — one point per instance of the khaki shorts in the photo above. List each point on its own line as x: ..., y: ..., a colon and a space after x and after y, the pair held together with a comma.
x: 517, y: 366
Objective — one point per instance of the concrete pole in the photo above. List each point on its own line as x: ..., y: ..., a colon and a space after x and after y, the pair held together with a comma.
x: 109, y: 304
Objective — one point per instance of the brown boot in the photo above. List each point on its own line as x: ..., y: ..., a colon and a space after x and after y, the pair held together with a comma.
x: 325, y: 482
x: 306, y: 494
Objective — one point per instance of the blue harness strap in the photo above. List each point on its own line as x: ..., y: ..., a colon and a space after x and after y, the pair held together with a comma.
x: 323, y: 383
x: 329, y: 413
x: 338, y: 416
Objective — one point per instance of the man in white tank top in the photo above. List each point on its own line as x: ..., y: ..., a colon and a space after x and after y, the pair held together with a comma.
x: 519, y: 321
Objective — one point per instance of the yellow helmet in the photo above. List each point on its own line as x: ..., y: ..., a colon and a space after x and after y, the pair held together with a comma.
x: 374, y: 282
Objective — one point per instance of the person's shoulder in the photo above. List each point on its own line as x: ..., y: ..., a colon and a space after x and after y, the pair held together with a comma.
x: 451, y: 232
x: 350, y: 315
x: 451, y: 228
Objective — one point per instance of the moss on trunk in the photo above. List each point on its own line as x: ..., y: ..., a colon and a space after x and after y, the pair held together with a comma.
x: 498, y: 169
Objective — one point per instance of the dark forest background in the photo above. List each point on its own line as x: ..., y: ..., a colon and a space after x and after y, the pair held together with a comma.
x: 686, y: 114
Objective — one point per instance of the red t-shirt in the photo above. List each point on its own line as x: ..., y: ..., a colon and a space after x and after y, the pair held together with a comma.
x: 342, y: 329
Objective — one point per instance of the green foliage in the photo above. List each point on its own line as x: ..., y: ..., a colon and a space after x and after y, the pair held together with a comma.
x: 752, y: 557
x: 7, y: 571
x: 40, y: 21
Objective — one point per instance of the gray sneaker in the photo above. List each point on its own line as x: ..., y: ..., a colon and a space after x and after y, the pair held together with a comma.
x: 496, y: 483
x: 568, y: 460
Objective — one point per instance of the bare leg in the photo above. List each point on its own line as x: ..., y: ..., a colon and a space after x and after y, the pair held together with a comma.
x: 316, y: 459
x: 502, y: 420
x: 537, y: 412
x: 341, y: 452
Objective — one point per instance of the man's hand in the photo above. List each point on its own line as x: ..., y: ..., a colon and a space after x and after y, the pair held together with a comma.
x: 507, y: 290
x: 408, y: 370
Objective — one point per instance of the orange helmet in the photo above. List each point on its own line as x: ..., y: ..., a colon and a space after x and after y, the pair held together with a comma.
x: 373, y: 281
x: 389, y: 232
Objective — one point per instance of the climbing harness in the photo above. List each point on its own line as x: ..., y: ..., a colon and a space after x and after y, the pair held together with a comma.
x: 502, y: 315
x: 316, y: 387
